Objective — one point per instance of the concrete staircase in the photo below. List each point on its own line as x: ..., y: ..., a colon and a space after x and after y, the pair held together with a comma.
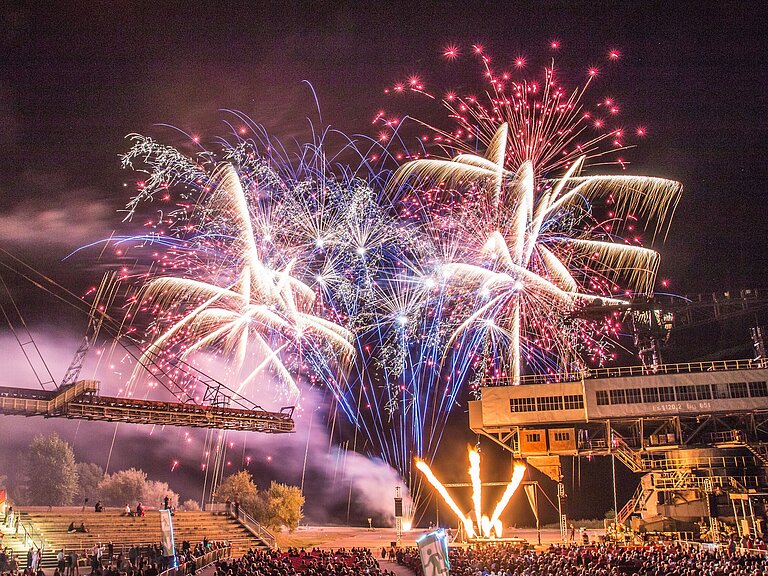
x: 124, y: 532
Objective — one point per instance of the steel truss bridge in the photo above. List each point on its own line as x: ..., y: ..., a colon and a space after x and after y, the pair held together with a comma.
x: 218, y: 407
x: 81, y: 400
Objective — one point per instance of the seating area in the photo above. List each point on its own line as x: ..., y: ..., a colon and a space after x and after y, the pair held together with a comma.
x: 125, y: 531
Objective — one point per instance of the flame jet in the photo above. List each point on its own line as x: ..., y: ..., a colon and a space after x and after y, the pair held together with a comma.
x: 483, y: 527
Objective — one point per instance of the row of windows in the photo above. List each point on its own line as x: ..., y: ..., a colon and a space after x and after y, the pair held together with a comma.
x: 532, y: 437
x: 682, y: 393
x: 546, y: 403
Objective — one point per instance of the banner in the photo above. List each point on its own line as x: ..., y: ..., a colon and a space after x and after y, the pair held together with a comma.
x: 533, y: 500
x: 433, y: 550
x: 166, y: 529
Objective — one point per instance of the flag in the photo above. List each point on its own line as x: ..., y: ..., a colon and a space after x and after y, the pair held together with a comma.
x: 433, y: 550
x: 166, y: 529
x: 530, y: 491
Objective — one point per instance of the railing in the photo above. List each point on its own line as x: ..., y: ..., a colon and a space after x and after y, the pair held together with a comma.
x: 759, y: 452
x: 253, y: 526
x: 712, y: 546
x: 35, y: 402
x: 706, y: 462
x: 199, y: 563
x: 66, y: 395
x: 637, y: 500
x: 724, y: 436
x: 629, y: 457
x: 700, y: 482
x: 623, y: 371
x: 27, y: 531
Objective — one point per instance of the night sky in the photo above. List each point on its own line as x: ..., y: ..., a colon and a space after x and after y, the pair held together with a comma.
x: 76, y: 78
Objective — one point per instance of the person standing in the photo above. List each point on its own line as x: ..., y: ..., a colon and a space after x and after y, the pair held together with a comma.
x: 37, y: 557
x: 74, y: 570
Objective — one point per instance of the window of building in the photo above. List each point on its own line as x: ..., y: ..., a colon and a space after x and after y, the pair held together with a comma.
x: 720, y: 391
x: 533, y: 437
x: 685, y: 392
x: 618, y: 397
x: 633, y: 396
x: 703, y: 392
x: 573, y: 402
x: 666, y: 394
x: 758, y: 389
x: 650, y: 394
x: 549, y: 403
x: 738, y: 389
x: 602, y: 397
x: 562, y: 436
x: 522, y: 404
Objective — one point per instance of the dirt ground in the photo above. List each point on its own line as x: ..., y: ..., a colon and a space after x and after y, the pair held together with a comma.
x: 347, y: 537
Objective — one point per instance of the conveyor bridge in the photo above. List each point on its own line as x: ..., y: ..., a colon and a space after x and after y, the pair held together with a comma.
x: 81, y: 400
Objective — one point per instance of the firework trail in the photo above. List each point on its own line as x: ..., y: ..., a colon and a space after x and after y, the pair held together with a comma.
x: 280, y: 265
x: 265, y: 308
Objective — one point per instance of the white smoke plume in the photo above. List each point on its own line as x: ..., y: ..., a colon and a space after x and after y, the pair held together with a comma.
x: 341, y: 485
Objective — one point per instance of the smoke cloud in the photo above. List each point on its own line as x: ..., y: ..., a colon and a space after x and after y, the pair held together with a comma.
x: 341, y: 485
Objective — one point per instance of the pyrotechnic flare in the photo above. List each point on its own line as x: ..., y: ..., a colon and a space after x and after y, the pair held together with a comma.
x: 485, y: 527
x: 477, y: 485
x: 517, y: 477
x: 466, y: 521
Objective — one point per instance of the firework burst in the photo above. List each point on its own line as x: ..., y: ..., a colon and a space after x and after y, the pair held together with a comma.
x: 522, y: 250
x: 276, y: 266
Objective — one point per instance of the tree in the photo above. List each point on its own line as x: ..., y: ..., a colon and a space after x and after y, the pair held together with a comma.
x: 51, y: 474
x: 241, y: 488
x: 284, y: 506
x: 154, y: 494
x: 190, y: 506
x: 88, y: 477
x: 124, y: 487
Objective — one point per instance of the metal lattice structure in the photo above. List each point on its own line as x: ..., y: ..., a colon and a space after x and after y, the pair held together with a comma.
x: 697, y: 432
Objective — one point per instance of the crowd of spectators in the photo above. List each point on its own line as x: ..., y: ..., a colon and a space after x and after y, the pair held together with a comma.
x: 502, y: 560
x: 315, y: 562
x: 104, y: 560
x: 607, y: 560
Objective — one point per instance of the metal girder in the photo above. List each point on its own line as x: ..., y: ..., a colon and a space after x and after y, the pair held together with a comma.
x: 81, y: 401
